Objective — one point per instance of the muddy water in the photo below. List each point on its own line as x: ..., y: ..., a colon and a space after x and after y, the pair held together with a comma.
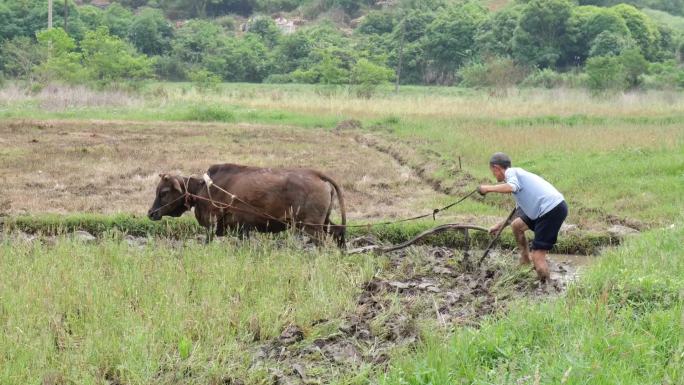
x: 567, y: 268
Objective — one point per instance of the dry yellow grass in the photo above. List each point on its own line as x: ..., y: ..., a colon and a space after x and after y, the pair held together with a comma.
x: 109, y: 167
x: 516, y: 103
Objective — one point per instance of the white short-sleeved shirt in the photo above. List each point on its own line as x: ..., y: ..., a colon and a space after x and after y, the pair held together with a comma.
x: 532, y: 193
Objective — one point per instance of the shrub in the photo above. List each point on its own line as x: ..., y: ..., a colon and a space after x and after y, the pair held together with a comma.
x: 278, y: 79
x: 635, y: 65
x: 367, y: 76
x: 605, y: 73
x: 265, y: 28
x: 544, y: 78
x: 496, y: 72
x: 304, y: 76
x: 666, y: 75
x: 208, y: 113
x: 169, y: 68
x: 377, y: 22
x: 205, y: 80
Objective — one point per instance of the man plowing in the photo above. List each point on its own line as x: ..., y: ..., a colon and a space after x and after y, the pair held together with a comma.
x: 541, y: 208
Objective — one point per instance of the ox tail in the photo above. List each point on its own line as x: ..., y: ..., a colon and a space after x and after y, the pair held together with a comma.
x: 340, y: 232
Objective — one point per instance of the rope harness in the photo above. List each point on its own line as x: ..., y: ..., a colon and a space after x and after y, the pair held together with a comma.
x: 256, y: 211
x: 188, y: 197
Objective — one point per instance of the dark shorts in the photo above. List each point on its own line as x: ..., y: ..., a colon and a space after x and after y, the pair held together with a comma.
x: 546, y: 227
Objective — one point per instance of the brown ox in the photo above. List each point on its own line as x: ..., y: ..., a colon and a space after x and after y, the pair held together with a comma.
x: 265, y: 200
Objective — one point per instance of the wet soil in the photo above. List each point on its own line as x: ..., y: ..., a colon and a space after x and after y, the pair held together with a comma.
x: 416, y: 287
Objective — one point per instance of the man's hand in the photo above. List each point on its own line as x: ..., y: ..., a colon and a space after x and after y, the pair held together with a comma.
x: 495, y: 229
x: 482, y: 190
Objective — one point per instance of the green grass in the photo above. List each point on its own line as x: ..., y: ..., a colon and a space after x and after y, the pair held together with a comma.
x: 620, y: 324
x: 188, y: 313
x: 586, y: 243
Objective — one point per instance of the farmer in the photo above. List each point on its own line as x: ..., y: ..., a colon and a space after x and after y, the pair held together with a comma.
x: 540, y: 208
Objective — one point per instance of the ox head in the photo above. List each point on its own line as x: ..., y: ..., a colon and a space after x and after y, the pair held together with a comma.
x: 170, y: 199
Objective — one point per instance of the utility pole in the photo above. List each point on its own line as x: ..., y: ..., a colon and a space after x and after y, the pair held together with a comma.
x: 401, y: 55
x: 49, y: 14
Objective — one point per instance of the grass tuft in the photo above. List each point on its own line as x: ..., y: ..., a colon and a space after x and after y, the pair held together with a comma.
x: 208, y: 113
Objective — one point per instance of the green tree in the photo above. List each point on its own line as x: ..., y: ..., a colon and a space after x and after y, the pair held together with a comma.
x: 634, y: 65
x: 293, y: 52
x: 584, y: 26
x: 20, y: 56
x: 377, y: 22
x: 609, y: 43
x: 410, y: 30
x: 150, y: 32
x: 63, y: 62
x: 495, y: 35
x: 539, y: 36
x: 118, y: 19
x: 107, y: 58
x: 450, y: 38
x: 9, y: 23
x: 91, y: 16
x: 266, y: 29
x: 643, y: 30
x: 195, y: 40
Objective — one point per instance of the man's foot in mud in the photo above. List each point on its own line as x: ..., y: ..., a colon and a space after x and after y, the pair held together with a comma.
x: 542, y: 272
x: 541, y: 266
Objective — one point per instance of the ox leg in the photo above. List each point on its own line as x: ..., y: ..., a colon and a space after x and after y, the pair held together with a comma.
x: 243, y: 231
x: 316, y: 233
x: 338, y: 234
x: 221, y: 227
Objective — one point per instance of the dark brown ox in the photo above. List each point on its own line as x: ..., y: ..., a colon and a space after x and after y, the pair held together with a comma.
x: 265, y: 200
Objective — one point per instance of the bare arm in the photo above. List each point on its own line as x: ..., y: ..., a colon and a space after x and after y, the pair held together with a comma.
x: 503, y: 188
x: 502, y: 224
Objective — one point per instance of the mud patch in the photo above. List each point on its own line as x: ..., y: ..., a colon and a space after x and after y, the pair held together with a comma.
x: 416, y: 288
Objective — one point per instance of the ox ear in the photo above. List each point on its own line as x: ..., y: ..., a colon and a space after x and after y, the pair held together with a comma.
x: 176, y: 184
x: 164, y: 176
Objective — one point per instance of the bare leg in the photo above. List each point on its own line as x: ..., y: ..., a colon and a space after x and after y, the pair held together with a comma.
x: 519, y: 227
x: 540, y: 264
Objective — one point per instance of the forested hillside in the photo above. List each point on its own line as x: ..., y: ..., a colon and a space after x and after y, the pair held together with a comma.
x: 597, y: 43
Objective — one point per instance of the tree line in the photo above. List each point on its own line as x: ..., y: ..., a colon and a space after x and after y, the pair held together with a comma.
x: 545, y: 43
